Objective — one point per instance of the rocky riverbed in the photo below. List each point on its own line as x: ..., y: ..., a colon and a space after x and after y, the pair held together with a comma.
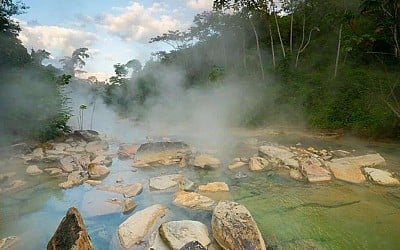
x: 172, y: 196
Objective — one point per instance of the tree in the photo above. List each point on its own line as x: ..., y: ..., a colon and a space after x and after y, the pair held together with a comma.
x: 121, y: 72
x: 39, y: 55
x: 174, y: 38
x: 76, y: 60
x: 135, y: 65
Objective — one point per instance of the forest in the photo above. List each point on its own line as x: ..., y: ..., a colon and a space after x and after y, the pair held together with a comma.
x: 331, y: 65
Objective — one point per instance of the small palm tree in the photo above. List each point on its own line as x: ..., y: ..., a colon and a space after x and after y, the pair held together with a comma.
x: 80, y: 117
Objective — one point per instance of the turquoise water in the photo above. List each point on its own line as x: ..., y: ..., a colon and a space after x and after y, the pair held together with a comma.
x: 290, y: 214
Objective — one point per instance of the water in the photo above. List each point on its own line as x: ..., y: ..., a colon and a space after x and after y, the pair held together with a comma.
x: 290, y: 214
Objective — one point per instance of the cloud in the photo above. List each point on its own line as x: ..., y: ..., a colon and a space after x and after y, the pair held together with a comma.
x: 139, y: 23
x: 200, y: 4
x: 55, y: 38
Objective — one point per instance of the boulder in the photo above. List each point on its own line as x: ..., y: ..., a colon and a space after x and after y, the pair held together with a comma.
x: 193, y: 200
x: 128, y: 150
x: 349, y: 168
x: 295, y: 174
x: 102, y: 160
x: 193, y: 245
x: 128, y: 205
x: 233, y: 227
x: 8, y: 242
x: 86, y: 135
x: 127, y: 190
x: 133, y: 230
x: 381, y: 177
x: 165, y: 181
x: 20, y: 148
x: 279, y: 155
x: 206, y: 161
x: 53, y: 171
x: 214, y: 187
x: 71, y: 233
x: 96, y: 146
x: 236, y: 165
x: 313, y: 170
x: 33, y: 170
x: 68, y: 164
x: 258, y: 163
x: 75, y: 178
x: 176, y: 234
x: 156, y: 243
x: 98, y: 171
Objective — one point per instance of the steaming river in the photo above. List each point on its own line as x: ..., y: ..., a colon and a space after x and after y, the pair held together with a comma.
x: 333, y: 215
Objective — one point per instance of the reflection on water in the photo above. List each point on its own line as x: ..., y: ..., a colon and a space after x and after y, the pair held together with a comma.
x: 291, y: 214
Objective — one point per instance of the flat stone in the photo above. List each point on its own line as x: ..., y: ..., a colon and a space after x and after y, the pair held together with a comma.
x: 98, y: 171
x: 295, y: 174
x: 86, y: 135
x: 128, y: 150
x: 193, y: 200
x: 33, y: 170
x: 214, y: 187
x: 236, y: 165
x: 381, y: 177
x: 349, y: 168
x: 313, y: 170
x: 233, y: 227
x: 68, y: 164
x: 206, y: 161
x: 96, y: 146
x: 176, y: 234
x: 258, y: 163
x: 53, y: 171
x: 15, y: 185
x: 8, y: 242
x: 71, y: 233
x: 133, y: 230
x: 160, y: 154
x: 128, y: 205
x: 127, y: 190
x: 93, y: 182
x: 279, y: 155
x: 165, y: 181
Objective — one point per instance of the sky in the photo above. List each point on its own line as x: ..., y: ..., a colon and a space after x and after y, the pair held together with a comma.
x: 115, y: 31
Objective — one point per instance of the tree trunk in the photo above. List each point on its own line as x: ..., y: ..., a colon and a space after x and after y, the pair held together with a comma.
x: 302, y: 41
x: 279, y: 35
x: 244, y: 54
x: 258, y: 49
x: 338, y: 51
x: 291, y: 33
x: 272, y: 46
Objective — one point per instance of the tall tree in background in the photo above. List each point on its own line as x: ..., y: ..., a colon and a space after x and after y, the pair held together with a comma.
x: 75, y: 61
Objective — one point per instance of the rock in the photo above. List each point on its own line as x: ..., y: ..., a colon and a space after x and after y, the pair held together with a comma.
x: 128, y: 150
x: 6, y: 176
x: 102, y: 160
x: 177, y: 234
x: 38, y: 152
x: 193, y: 245
x: 53, y: 171
x: 33, y: 170
x: 278, y: 155
x: 349, y: 168
x: 8, y: 242
x: 165, y: 181
x: 133, y: 230
x: 96, y: 146
x: 206, y: 161
x: 160, y: 154
x: 20, y: 148
x: 236, y: 165
x: 86, y: 135
x: 75, y: 178
x: 258, y: 163
x: 233, y: 227
x: 240, y: 175
x: 381, y: 177
x: 98, y: 171
x: 119, y: 180
x: 214, y: 187
x: 193, y: 200
x: 156, y: 243
x: 127, y: 190
x: 78, y: 149
x: 68, y: 164
x: 71, y: 233
x: 340, y: 153
x: 93, y: 182
x: 128, y: 205
x: 15, y: 185
x: 313, y: 170
x: 295, y: 174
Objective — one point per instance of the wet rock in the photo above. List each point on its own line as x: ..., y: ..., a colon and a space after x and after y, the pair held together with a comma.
x: 128, y: 205
x: 233, y: 227
x: 340, y: 153
x: 193, y: 245
x: 127, y: 190
x: 313, y: 170
x: 133, y: 230
x: 259, y: 163
x: 349, y: 168
x: 381, y: 177
x: 20, y: 148
x: 214, y: 187
x: 75, y: 178
x: 71, y: 233
x: 279, y: 155
x: 206, y: 161
x: 78, y: 149
x: 156, y: 243
x: 193, y: 200
x: 53, y: 171
x: 165, y: 181
x: 240, y: 175
x: 98, y: 171
x: 86, y: 135
x: 236, y: 165
x: 176, y: 234
x: 33, y: 170
x: 68, y: 164
x: 102, y: 160
x: 128, y: 150
x: 8, y: 242
x: 119, y: 180
x: 295, y: 174
x: 96, y: 146
x: 93, y: 182
x: 38, y: 152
